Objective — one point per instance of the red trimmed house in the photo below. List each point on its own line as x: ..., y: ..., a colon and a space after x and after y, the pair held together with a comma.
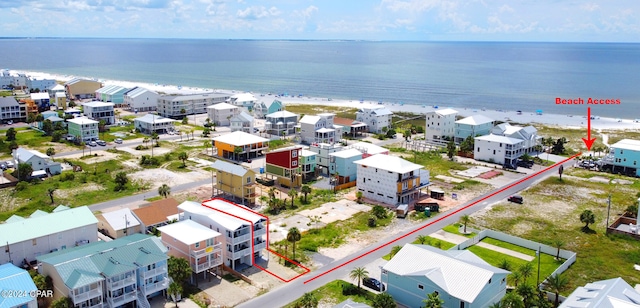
x: 284, y: 164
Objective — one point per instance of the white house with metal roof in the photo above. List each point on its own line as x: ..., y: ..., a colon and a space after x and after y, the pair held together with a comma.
x: 377, y: 118
x: 140, y: 100
x: 221, y: 113
x: 280, y: 122
x: 244, y: 230
x: 37, y: 160
x: 24, y: 239
x: 13, y: 278
x: 246, y: 100
x: 151, y: 123
x: 119, y: 223
x: 528, y: 134
x: 461, y: 278
x: 242, y: 122
x: 99, y: 111
x: 610, y: 293
x: 475, y: 125
x: 320, y: 129
x: 440, y: 124
x: 497, y: 149
x: 189, y: 240
x: 623, y: 157
x: 109, y: 274
x: 390, y: 179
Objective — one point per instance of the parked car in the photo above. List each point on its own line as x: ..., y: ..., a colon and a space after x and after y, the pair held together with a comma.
x: 101, y: 142
x: 516, y: 199
x: 92, y: 143
x: 118, y: 141
x: 373, y: 283
x: 525, y: 164
x: 9, y: 164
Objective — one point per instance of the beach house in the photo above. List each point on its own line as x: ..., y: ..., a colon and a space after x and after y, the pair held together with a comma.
x: 440, y: 124
x: 13, y: 278
x: 83, y: 128
x: 42, y: 100
x: 119, y: 223
x: 242, y: 122
x: 199, y: 245
x: 497, y: 149
x: 243, y: 100
x: 319, y: 129
x: 623, y: 157
x: 99, y: 111
x: 157, y: 213
x: 112, y: 94
x: 240, y: 146
x: 57, y: 88
x: 307, y: 164
x: 119, y: 273
x: 610, y: 293
x: 60, y: 100
x: 151, y: 123
x: 284, y: 165
x: 281, y: 123
x: 377, y: 118
x: 81, y: 88
x: 390, y: 179
x: 528, y: 134
x: 38, y: 161
x: 40, y: 85
x: 220, y: 114
x: 51, y: 116
x: 26, y: 238
x: 475, y: 125
x: 342, y: 167
x: 460, y: 278
x: 179, y: 106
x: 234, y: 182
x: 262, y: 109
x: 11, y: 110
x: 351, y: 127
x: 243, y: 230
x: 323, y: 150
x: 140, y: 99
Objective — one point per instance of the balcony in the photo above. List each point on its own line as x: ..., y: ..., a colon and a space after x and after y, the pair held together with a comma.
x: 83, y: 297
x: 206, y: 251
x: 261, y: 231
x: 239, y: 239
x: 155, y: 272
x: 207, y: 265
x: 260, y: 246
x: 122, y: 299
x: 121, y: 283
x: 156, y: 286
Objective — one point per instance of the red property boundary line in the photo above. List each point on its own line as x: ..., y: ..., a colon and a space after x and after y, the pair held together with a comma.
x: 443, y: 217
x: 306, y: 270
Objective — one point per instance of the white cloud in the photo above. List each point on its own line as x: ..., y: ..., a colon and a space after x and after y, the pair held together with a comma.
x: 257, y: 12
x: 506, y: 8
x: 590, y: 7
x: 306, y: 13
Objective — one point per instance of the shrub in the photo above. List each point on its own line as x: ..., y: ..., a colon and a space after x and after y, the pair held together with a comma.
x: 349, y: 289
x: 67, y: 177
x: 22, y: 186
x: 379, y: 212
x: 140, y: 147
x: 372, y: 222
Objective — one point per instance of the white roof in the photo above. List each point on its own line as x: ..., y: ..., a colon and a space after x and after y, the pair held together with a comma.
x: 240, y: 138
x: 152, y: 118
x: 229, y: 168
x: 98, y: 104
x: 57, y: 87
x: 389, y: 163
x: 460, y: 273
x: 281, y: 114
x: 188, y: 232
x: 137, y: 91
x: 476, y: 119
x: 627, y: 144
x: 221, y: 212
x: 242, y: 116
x: 307, y: 153
x: 117, y: 219
x: 347, y: 153
x: 243, y: 97
x: 310, y: 119
x: 82, y: 120
x: 325, y: 130
x: 446, y: 112
x: 369, y: 148
x: 378, y: 110
x: 500, y: 139
x: 222, y: 106
x: 611, y: 293
x: 42, y: 95
x: 60, y: 94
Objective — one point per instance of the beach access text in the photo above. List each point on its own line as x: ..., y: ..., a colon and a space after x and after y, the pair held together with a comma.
x: 590, y: 101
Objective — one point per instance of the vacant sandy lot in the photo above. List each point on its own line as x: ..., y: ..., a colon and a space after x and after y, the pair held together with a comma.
x: 157, y: 177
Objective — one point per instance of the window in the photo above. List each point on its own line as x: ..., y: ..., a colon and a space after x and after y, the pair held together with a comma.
x: 461, y: 304
x: 248, y: 180
x: 294, y: 154
x: 294, y: 163
x: 478, y: 149
x: 421, y: 287
x: 34, y: 242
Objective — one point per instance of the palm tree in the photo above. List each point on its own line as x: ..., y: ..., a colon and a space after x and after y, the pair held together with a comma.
x: 308, y: 300
x: 512, y: 300
x: 433, y: 300
x: 164, y: 190
x: 515, y: 278
x: 154, y: 138
x: 465, y: 219
x: 383, y: 300
x: 422, y: 239
x: 306, y: 189
x: 294, y: 236
x: 556, y: 284
x: 394, y: 250
x: 558, y: 243
x: 505, y: 265
x: 263, y: 199
x: 207, y: 145
x: 175, y: 289
x: 293, y: 193
x: 50, y: 192
x: 528, y: 293
x: 358, y: 274
x: 236, y: 151
x: 183, y: 156
x: 587, y: 217
x: 526, y: 270
x: 145, y: 141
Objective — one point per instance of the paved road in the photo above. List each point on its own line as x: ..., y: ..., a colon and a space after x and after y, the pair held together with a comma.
x: 112, y: 145
x: 291, y: 291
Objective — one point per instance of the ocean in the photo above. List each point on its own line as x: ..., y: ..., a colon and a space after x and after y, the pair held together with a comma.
x: 491, y: 75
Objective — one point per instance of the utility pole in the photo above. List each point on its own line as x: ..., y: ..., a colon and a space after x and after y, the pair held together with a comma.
x: 608, y: 210
x: 538, y: 255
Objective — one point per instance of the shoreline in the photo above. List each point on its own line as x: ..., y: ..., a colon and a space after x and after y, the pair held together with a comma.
x: 566, y: 121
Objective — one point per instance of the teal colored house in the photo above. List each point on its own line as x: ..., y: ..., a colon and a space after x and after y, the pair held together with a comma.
x: 461, y: 278
x: 475, y: 125
x: 341, y: 163
x: 307, y: 164
x: 623, y: 157
x: 112, y: 94
x: 15, y: 278
x: 262, y: 109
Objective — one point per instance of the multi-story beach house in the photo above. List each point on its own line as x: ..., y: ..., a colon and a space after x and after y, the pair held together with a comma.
x: 351, y: 127
x: 244, y: 100
x: 390, y: 179
x: 440, y: 124
x: 528, y: 134
x: 57, y: 88
x: 83, y: 128
x: 26, y: 238
x: 307, y: 164
x: 323, y: 150
x: 151, y: 123
x: 243, y: 230
x: 281, y: 123
x: 623, y: 157
x: 179, y: 106
x: 199, y: 245
x: 37, y: 160
x: 319, y: 129
x: 235, y: 182
x: 140, y: 100
x: 501, y: 150
x: 60, y: 100
x: 611, y: 293
x: 377, y: 118
x: 14, y: 279
x: 460, y: 278
x: 42, y: 100
x: 262, y: 109
x: 119, y: 273
x: 242, y: 122
x: 112, y: 94
x: 41, y: 85
x: 368, y: 149
x: 157, y: 213
x: 11, y: 110
x: 283, y: 164
x: 81, y: 88
x: 343, y: 169
x: 475, y: 125
x: 239, y: 145
x: 99, y: 111
x: 119, y: 223
x: 220, y: 114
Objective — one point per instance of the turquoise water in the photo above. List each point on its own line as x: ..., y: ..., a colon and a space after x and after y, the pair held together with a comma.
x: 494, y: 75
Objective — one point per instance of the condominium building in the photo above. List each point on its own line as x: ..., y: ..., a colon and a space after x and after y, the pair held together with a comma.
x: 43, y: 85
x: 440, y: 124
x: 243, y: 230
x: 199, y: 245
x: 178, y: 106
x: 235, y: 182
x: 11, y: 110
x: 140, y: 100
x: 100, y: 111
x: 377, y: 118
x: 246, y: 100
x: 83, y: 128
x: 112, y: 94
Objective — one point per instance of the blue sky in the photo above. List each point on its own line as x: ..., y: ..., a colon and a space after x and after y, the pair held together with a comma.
x: 457, y: 20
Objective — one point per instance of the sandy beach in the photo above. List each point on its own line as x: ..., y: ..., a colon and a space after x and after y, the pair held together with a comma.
x: 531, y: 117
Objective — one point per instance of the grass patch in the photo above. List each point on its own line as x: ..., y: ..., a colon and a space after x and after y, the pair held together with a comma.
x: 548, y: 263
x: 341, y: 112
x: 278, y: 143
x: 177, y: 166
x: 331, y: 293
x: 499, y: 243
x: 431, y: 241
x: 454, y: 228
x: 433, y: 160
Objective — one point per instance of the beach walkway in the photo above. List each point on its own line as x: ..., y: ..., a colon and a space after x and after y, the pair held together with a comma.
x: 457, y: 239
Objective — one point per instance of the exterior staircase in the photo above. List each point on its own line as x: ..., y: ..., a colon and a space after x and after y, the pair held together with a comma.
x: 142, y: 301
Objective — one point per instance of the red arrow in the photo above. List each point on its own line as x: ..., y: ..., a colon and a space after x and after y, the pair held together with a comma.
x: 588, y: 141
